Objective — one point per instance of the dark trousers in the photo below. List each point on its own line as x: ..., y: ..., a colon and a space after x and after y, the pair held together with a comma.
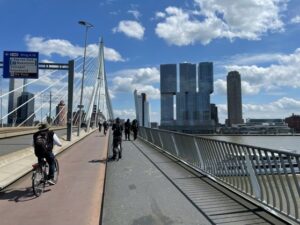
x: 127, y: 135
x: 116, y: 142
x: 135, y: 134
x: 51, y: 162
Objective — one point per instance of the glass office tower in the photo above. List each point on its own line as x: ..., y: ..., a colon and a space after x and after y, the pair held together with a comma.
x: 168, y: 87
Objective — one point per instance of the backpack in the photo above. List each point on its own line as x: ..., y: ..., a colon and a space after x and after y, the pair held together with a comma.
x: 117, y: 130
x: 43, y: 142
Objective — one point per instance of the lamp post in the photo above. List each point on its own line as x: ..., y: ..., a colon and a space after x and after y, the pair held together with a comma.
x: 80, y: 106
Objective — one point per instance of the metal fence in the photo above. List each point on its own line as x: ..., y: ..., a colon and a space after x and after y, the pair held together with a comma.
x: 268, y: 177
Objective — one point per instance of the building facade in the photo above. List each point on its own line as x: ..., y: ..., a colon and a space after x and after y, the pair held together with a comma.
x: 168, y: 89
x: 142, y: 108
x: 293, y: 122
x: 61, y: 114
x: 25, y: 114
x: 13, y: 99
x: 193, y: 112
x: 234, y: 98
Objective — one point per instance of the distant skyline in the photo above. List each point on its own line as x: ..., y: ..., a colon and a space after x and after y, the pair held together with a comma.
x: 259, y: 39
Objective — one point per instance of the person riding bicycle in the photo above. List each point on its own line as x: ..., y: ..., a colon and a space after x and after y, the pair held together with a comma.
x: 43, y: 142
x: 117, y: 138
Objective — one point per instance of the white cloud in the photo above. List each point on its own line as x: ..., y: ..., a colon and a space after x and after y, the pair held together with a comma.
x: 125, y: 114
x: 295, y: 19
x: 131, y: 29
x: 66, y: 48
x: 141, y: 79
x: 280, y: 108
x: 284, y: 71
x: 245, y: 19
x: 135, y: 13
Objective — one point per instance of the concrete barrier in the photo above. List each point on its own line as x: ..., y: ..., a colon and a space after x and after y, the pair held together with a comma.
x: 17, y: 164
x: 24, y: 132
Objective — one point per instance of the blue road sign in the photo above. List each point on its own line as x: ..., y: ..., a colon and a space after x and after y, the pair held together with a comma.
x: 20, y: 65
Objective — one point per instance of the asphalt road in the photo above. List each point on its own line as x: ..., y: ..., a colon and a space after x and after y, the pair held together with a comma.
x: 75, y: 199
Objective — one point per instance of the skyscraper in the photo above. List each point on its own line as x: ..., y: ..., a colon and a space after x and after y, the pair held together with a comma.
x: 142, y: 109
x: 168, y: 87
x: 186, y: 97
x: 25, y: 114
x: 13, y: 98
x: 193, y: 113
x: 234, y: 98
x: 205, y: 88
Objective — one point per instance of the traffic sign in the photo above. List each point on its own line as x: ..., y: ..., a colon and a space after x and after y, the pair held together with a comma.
x: 20, y: 65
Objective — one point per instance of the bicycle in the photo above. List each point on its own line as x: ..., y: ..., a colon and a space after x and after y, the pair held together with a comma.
x: 40, y: 175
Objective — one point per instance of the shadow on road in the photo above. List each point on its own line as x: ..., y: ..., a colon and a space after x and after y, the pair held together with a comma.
x: 17, y: 195
x: 98, y: 161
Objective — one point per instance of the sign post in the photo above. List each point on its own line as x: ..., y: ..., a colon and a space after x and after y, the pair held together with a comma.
x: 20, y: 65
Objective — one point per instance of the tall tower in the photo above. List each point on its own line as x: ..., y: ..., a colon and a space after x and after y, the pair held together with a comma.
x: 25, y: 114
x: 13, y: 99
x: 186, y: 97
x: 234, y: 98
x: 168, y: 87
x: 205, y: 88
x: 142, y: 109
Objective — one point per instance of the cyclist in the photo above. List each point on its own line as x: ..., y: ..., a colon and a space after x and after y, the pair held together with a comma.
x: 43, y: 142
x: 117, y: 138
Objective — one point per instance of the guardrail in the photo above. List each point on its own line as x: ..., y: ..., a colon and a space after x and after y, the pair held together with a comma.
x: 270, y: 178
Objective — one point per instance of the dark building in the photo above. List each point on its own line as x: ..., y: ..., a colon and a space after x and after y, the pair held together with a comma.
x: 168, y: 89
x: 234, y: 98
x: 15, y: 92
x: 214, y: 113
x: 293, y: 122
x: 25, y: 114
x: 190, y: 95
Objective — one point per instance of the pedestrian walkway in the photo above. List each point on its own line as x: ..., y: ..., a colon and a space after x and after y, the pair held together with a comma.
x: 146, y: 187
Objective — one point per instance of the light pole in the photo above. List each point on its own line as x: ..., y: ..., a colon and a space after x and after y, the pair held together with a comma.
x: 80, y: 106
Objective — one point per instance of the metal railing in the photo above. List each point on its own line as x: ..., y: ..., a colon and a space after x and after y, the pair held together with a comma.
x: 268, y: 177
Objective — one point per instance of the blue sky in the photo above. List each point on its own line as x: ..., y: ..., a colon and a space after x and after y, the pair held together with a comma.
x: 258, y: 38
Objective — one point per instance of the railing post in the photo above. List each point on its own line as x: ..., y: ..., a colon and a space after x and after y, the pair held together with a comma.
x: 253, y: 178
x: 175, y: 146
x: 70, y: 100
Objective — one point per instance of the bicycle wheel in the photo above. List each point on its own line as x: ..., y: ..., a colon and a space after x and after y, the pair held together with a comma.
x: 56, y: 171
x: 38, y: 181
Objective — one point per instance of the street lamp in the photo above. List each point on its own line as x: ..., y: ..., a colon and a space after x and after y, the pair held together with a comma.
x: 80, y: 106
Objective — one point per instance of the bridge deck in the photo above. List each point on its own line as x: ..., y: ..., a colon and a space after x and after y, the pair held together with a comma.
x: 147, y: 187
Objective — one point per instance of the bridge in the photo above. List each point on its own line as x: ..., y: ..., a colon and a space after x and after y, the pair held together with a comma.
x: 163, y: 177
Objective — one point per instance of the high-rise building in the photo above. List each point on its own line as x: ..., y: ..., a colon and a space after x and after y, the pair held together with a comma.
x: 142, y: 109
x: 234, y: 98
x: 214, y: 113
x: 193, y: 113
x: 61, y: 117
x: 13, y: 99
x: 205, y: 88
x: 25, y: 114
x: 168, y: 87
x: 186, y: 97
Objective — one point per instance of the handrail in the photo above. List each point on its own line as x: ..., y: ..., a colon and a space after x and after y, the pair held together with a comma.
x: 268, y: 177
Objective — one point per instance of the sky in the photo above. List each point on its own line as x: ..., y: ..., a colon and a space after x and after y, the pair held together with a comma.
x: 260, y: 39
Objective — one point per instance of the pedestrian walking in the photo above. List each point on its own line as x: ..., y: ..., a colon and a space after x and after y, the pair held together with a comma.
x: 135, y: 128
x: 127, y: 126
